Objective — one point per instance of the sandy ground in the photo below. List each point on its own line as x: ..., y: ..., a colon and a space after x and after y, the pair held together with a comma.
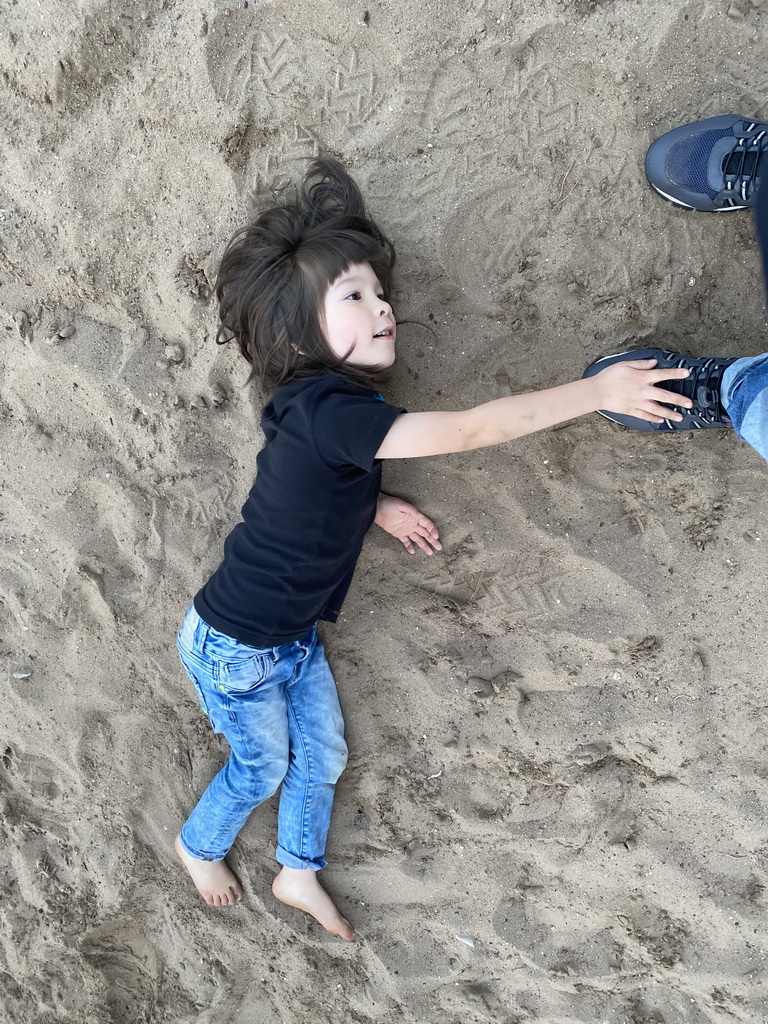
x: 555, y: 809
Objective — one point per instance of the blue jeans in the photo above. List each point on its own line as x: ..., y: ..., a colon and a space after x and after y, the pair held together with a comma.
x: 279, y: 711
x: 744, y: 393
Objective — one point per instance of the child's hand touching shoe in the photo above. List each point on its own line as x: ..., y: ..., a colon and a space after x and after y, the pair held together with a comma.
x: 632, y: 389
x: 693, y: 384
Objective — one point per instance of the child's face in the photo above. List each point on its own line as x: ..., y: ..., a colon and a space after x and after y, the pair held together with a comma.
x: 358, y: 320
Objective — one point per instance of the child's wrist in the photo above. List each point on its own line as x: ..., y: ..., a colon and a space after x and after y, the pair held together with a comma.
x: 597, y: 400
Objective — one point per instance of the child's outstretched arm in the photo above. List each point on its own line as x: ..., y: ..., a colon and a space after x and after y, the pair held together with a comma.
x: 626, y: 388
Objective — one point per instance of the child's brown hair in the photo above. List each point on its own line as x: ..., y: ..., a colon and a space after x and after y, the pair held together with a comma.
x: 275, y: 273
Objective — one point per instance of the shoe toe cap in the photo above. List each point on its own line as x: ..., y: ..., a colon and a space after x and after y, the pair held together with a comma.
x: 684, y: 164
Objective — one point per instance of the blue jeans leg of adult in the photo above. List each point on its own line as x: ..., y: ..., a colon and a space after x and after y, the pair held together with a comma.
x: 744, y: 393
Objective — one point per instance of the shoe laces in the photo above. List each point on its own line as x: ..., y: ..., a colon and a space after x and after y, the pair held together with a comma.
x: 702, y: 386
x: 741, y: 165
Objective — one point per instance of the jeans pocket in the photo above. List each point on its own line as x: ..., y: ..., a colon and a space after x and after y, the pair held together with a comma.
x: 245, y: 675
x: 236, y: 667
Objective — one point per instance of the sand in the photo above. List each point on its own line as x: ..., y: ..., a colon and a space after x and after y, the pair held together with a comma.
x: 555, y: 809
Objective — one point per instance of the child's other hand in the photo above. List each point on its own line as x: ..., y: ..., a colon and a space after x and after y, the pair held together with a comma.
x: 628, y: 388
x: 410, y: 526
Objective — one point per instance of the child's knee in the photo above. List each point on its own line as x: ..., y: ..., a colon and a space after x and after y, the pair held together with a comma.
x: 261, y: 779
x: 335, y: 761
x: 275, y: 776
x: 342, y: 762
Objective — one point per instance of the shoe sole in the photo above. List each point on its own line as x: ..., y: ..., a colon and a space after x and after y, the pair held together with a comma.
x: 693, y: 209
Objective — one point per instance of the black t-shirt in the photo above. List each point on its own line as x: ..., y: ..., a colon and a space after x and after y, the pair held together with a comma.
x: 290, y: 561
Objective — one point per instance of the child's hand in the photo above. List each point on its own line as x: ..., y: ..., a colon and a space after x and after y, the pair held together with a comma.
x: 628, y: 388
x: 405, y: 522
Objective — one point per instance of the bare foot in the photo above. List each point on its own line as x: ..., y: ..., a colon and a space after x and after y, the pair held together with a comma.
x: 215, y: 882
x: 299, y: 887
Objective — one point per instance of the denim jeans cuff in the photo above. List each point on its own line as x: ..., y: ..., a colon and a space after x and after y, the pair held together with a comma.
x: 195, y: 853
x: 288, y: 860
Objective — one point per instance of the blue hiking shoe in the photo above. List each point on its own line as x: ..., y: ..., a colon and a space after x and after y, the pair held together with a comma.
x: 702, y: 386
x: 711, y: 165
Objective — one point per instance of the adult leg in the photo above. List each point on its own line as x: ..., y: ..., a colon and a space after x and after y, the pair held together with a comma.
x: 719, y: 163
x: 745, y: 382
x: 744, y: 393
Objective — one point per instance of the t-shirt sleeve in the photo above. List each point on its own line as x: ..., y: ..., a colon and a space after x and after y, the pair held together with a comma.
x: 349, y: 427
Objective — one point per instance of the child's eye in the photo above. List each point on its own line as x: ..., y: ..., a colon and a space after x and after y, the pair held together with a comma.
x: 354, y: 295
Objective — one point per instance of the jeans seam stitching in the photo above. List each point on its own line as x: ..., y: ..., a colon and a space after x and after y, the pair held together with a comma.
x: 305, y: 750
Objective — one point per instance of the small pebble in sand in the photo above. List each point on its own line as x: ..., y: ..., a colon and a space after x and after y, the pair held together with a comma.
x: 174, y: 353
x: 735, y: 12
x: 67, y: 332
x: 620, y: 77
x: 23, y: 323
x: 22, y: 673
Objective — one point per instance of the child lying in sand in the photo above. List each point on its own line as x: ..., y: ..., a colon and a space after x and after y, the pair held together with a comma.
x: 304, y: 293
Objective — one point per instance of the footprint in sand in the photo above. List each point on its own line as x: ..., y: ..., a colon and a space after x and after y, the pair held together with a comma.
x: 660, y: 935
x: 500, y: 684
x: 589, y: 753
